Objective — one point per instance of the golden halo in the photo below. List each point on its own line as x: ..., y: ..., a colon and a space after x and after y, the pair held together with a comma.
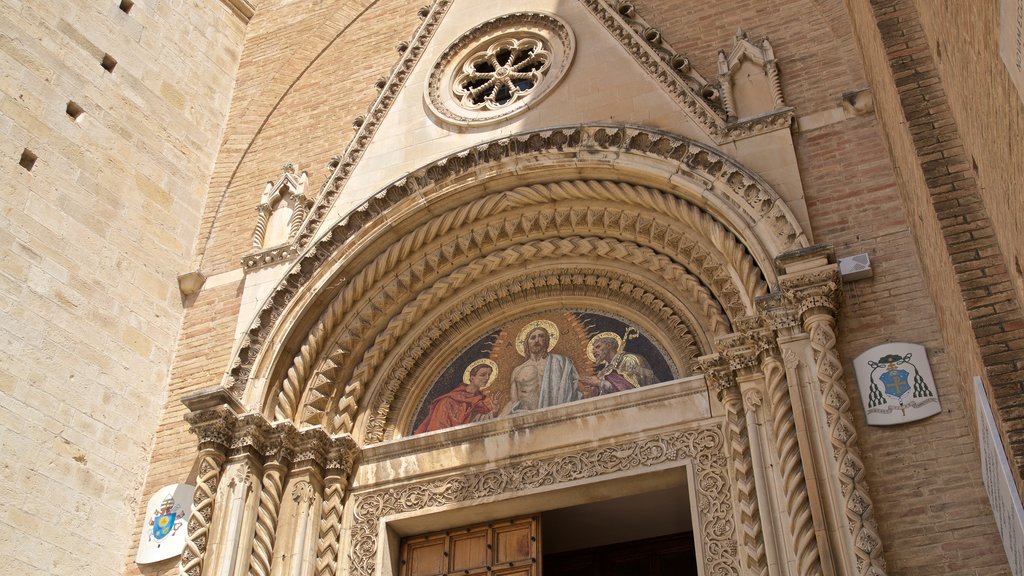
x: 547, y: 325
x: 474, y: 364
x: 602, y: 336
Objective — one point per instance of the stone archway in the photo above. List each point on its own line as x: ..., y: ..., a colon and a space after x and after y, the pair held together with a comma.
x: 699, y: 248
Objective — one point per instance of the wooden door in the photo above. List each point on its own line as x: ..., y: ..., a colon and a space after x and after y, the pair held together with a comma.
x: 504, y: 548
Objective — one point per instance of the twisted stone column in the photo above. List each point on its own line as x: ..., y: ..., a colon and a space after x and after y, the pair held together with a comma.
x: 811, y: 285
x: 274, y: 472
x: 787, y: 452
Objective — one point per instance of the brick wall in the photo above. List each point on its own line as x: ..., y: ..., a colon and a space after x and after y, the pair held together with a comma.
x: 91, y: 240
x: 952, y: 214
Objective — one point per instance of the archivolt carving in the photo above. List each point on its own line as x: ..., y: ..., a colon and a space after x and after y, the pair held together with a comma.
x: 735, y: 286
x: 642, y: 299
x: 537, y: 253
x: 575, y: 145
x: 351, y: 334
x: 687, y: 215
x: 703, y: 448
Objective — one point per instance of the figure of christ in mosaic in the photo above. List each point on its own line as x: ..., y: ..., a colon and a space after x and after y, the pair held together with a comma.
x: 544, y: 378
x: 544, y: 360
x: 616, y: 369
x: 468, y: 402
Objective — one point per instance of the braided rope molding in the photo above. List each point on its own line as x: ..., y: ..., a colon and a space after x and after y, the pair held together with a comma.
x: 567, y: 283
x: 266, y: 518
x: 504, y: 230
x: 787, y: 448
x: 329, y: 538
x: 685, y: 214
x: 575, y: 145
x: 532, y: 252
x: 472, y: 241
x: 703, y: 448
x: 203, y: 501
x: 353, y: 331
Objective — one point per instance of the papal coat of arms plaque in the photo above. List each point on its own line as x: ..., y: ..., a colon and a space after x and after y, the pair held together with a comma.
x: 166, y: 523
x: 896, y: 384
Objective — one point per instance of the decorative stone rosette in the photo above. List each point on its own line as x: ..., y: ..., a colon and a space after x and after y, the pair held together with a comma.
x: 500, y: 68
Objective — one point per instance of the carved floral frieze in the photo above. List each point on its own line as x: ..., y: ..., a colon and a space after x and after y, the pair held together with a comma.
x: 704, y: 449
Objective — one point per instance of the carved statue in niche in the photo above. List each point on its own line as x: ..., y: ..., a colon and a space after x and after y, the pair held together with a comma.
x: 540, y: 361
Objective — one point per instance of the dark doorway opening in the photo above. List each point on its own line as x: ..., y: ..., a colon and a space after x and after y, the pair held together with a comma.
x: 648, y: 534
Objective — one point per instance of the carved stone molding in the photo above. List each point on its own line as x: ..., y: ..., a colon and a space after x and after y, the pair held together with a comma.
x: 747, y: 347
x: 787, y: 451
x: 269, y: 257
x: 717, y: 373
x: 720, y: 376
x: 272, y: 488
x: 507, y: 218
x: 812, y: 285
x: 343, y: 324
x: 678, y: 62
x: 493, y: 221
x: 746, y: 192
x: 703, y: 448
x: 203, y: 500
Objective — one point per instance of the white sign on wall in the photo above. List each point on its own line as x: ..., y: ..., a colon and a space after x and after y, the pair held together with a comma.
x: 896, y: 384
x: 1011, y: 41
x: 998, y: 479
x: 166, y: 524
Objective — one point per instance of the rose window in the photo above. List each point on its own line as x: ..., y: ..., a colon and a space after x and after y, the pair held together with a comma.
x: 499, y: 69
x: 508, y: 70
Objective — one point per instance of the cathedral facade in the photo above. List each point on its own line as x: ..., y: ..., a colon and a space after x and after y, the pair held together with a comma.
x: 563, y: 286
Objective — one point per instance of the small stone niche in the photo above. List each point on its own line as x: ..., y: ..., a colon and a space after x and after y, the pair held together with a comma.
x: 108, y: 62
x: 126, y: 6
x: 282, y: 210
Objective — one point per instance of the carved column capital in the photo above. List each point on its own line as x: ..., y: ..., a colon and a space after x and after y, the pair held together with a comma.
x: 809, y: 280
x: 211, y: 417
x: 749, y: 345
x: 718, y: 374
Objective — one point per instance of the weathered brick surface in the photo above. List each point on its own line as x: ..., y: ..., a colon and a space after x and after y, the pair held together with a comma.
x: 90, y: 243
x: 945, y: 194
x: 963, y: 39
x: 304, y: 77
